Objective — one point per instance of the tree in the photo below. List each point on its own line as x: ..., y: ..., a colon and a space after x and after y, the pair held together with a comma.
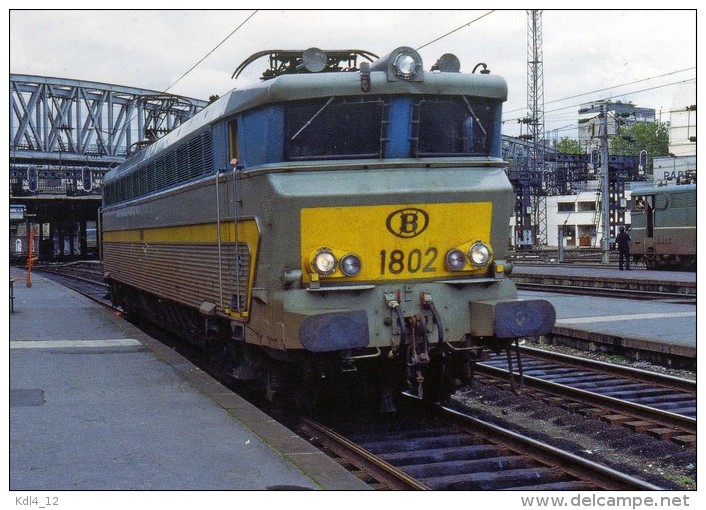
x: 650, y: 136
x: 568, y: 145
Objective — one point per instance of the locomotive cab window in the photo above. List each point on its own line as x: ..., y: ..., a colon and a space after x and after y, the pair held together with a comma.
x: 233, y: 142
x: 455, y: 126
x: 394, y: 126
x: 333, y: 128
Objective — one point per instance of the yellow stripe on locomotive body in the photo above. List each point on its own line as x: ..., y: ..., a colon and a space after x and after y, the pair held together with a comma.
x: 206, y: 233
x: 175, y: 260
x: 395, y: 241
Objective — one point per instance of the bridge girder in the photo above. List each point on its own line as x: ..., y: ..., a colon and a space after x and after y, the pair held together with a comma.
x: 80, y: 118
x: 59, y: 126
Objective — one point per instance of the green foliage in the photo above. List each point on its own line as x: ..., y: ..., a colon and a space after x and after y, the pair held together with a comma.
x: 568, y: 146
x: 650, y: 136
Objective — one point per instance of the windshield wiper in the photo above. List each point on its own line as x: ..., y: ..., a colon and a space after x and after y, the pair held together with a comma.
x: 308, y: 123
x: 475, y: 117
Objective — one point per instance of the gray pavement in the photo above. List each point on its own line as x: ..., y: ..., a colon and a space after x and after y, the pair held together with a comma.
x: 97, y: 405
x: 649, y: 325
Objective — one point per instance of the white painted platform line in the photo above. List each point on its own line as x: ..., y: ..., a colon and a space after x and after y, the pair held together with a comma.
x: 620, y: 318
x: 70, y: 344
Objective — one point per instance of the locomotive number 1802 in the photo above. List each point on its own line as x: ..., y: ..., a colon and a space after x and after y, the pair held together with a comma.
x: 417, y: 260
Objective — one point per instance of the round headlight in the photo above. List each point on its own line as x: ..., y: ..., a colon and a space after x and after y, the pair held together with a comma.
x: 350, y: 265
x: 405, y: 65
x: 324, y: 262
x: 455, y: 260
x: 479, y: 254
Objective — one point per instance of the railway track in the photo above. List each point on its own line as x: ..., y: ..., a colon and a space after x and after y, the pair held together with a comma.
x: 87, y: 279
x: 659, y: 405
x: 410, y: 466
x: 453, y: 451
x: 662, y: 406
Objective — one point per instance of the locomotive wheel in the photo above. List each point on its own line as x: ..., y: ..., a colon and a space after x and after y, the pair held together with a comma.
x: 277, y: 382
x: 650, y: 261
x: 307, y: 393
x: 281, y: 385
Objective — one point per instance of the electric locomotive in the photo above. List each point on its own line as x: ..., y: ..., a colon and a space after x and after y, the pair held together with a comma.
x: 663, y: 230
x: 344, y: 219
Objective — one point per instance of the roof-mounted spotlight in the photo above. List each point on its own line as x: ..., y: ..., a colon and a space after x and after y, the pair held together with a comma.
x: 447, y: 63
x: 313, y: 60
x: 403, y: 63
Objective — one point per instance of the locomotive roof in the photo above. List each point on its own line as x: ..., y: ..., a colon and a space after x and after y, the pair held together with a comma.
x: 293, y: 87
x: 651, y: 190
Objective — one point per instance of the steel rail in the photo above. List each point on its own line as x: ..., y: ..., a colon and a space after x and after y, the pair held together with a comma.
x: 620, y: 370
x: 361, y: 458
x: 72, y: 281
x: 657, y: 416
x: 582, y: 470
x: 578, y: 467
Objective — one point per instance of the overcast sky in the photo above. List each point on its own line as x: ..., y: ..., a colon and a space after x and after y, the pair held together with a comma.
x: 651, y: 53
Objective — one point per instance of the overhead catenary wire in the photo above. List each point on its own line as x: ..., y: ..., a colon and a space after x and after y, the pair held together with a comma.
x: 576, y: 95
x: 210, y: 52
x: 455, y: 30
x: 612, y: 96
x: 201, y: 60
x: 611, y: 87
x: 582, y: 94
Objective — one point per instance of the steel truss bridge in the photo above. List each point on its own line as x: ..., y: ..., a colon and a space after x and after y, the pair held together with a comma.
x: 65, y: 135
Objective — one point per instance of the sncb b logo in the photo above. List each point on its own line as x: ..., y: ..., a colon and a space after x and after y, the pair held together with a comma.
x: 407, y: 223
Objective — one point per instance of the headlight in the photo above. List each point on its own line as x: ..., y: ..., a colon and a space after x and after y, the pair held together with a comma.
x: 455, y: 260
x: 350, y: 265
x: 405, y: 65
x: 479, y: 254
x: 324, y: 262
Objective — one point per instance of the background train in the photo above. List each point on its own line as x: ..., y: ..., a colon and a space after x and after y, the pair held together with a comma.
x: 663, y: 230
x: 341, y: 225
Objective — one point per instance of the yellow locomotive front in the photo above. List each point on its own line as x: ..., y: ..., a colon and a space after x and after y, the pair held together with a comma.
x: 417, y: 285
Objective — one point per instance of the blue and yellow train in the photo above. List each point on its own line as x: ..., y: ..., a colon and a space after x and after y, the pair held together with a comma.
x: 344, y: 219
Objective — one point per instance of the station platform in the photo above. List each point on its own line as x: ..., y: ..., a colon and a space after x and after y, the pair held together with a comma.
x: 96, y: 405
x: 656, y: 331
x: 638, y: 278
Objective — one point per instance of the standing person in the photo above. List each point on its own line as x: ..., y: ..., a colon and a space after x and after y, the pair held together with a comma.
x: 623, y: 242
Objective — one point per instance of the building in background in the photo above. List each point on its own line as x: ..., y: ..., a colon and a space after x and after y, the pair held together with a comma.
x: 574, y: 219
x: 680, y: 165
x: 625, y: 114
